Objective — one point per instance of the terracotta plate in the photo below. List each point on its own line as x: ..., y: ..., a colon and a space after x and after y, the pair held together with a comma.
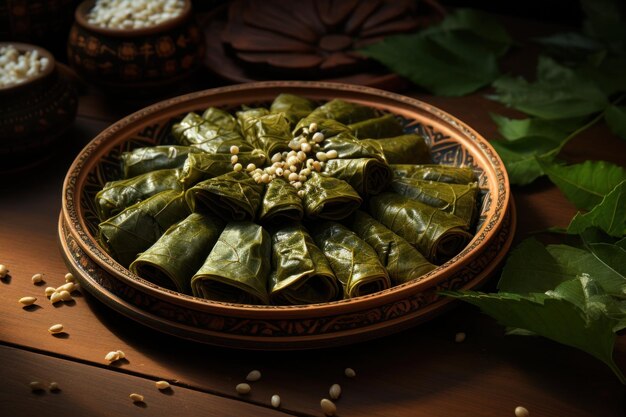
x: 281, y: 327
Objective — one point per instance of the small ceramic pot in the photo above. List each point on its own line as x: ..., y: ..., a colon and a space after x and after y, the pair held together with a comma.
x: 34, y: 114
x: 158, y: 55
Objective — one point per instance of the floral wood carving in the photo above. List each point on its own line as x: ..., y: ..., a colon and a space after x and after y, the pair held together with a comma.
x: 317, y: 38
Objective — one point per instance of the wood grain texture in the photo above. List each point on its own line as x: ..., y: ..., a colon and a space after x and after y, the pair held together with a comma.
x: 420, y: 372
x: 90, y: 391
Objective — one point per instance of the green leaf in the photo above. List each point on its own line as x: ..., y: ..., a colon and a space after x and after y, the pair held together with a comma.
x: 608, y: 74
x: 609, y: 215
x: 602, y: 266
x: 585, y: 324
x: 558, y: 93
x: 616, y: 119
x: 480, y: 24
x: 443, y: 63
x: 532, y: 268
x: 605, y: 21
x: 585, y: 184
x: 570, y: 46
x: 521, y: 157
x: 513, y: 129
x: 454, y: 58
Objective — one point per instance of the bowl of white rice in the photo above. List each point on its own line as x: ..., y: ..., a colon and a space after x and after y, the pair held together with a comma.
x: 121, y: 44
x: 37, y: 105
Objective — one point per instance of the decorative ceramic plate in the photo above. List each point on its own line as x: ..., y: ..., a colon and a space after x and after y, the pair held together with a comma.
x: 281, y: 327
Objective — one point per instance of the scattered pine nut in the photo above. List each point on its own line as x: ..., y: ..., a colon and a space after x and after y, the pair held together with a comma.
x: 3, y: 271
x: 49, y: 291
x: 459, y: 337
x: 275, y: 400
x: 253, y: 376
x: 161, y: 385
x: 37, y: 278
x: 69, y: 277
x: 332, y: 154
x: 37, y: 386
x: 234, y: 149
x: 56, y: 328
x: 318, y: 137
x: 521, y: 412
x: 112, y: 356
x: 137, y: 398
x: 238, y: 167
x: 69, y: 287
x: 27, y: 301
x: 350, y: 373
x: 243, y: 388
x: 65, y: 296
x: 121, y: 353
x: 335, y: 391
x: 54, y: 386
x: 328, y: 407
x: 55, y: 297
x: 313, y: 127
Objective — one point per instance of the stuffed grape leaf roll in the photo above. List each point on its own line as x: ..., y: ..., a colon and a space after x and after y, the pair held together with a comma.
x: 405, y: 149
x: 179, y: 253
x: 199, y: 167
x: 349, y: 147
x: 280, y: 202
x: 292, y: 106
x: 271, y: 133
x: 329, y: 198
x: 368, y: 176
x: 232, y: 196
x: 197, y: 132
x: 457, y: 199
x: 300, y: 273
x: 354, y: 262
x: 345, y: 112
x: 379, y: 127
x: 237, y: 269
x: 153, y: 158
x: 403, y: 262
x: 433, y: 172
x: 117, y: 195
x: 436, y: 234
x: 136, y: 228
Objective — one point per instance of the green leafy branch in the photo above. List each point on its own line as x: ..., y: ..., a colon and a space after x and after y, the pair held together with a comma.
x: 574, y: 295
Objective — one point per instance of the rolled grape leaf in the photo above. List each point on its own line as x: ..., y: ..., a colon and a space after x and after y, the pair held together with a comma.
x: 220, y: 118
x: 237, y: 269
x: 379, y: 127
x: 200, y: 167
x: 368, y: 176
x: 280, y: 202
x: 247, y: 117
x: 349, y: 147
x: 136, y: 228
x: 300, y: 273
x: 179, y: 253
x: 343, y: 111
x: 271, y: 133
x: 431, y: 172
x: 293, y: 107
x: 197, y: 132
x: 436, y: 234
x: 405, y: 149
x: 327, y: 127
x: 403, y: 262
x: 152, y: 158
x: 354, y: 262
x: 457, y: 199
x: 232, y: 196
x: 117, y: 195
x: 329, y: 198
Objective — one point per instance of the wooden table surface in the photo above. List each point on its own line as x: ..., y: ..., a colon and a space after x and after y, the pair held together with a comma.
x: 419, y: 372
